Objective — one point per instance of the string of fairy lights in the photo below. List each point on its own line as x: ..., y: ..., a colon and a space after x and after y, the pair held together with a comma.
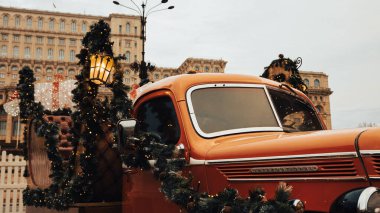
x: 43, y: 93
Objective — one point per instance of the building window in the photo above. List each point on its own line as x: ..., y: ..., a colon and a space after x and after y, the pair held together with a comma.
x: 15, y: 51
x: 84, y: 27
x: 28, y: 39
x: 135, y: 30
x: 73, y: 42
x: 128, y: 28
x: 39, y: 39
x: 127, y: 80
x: 72, y: 55
x: 37, y: 69
x: 61, y: 55
x: 15, y: 128
x: 14, y: 76
x: 16, y: 38
x: 196, y: 68
x: 319, y: 109
x: 316, y: 83
x: 29, y: 22
x: 4, y: 37
x: 71, y: 72
x: 27, y: 52
x: 127, y: 43
x: 4, y: 50
x: 62, y: 25
x: 216, y: 69
x: 320, y: 98
x: 39, y: 53
x: 48, y: 78
x: 49, y: 70
x: 73, y: 27
x: 14, y: 68
x: 2, y: 67
x: 50, y: 53
x: 17, y: 21
x: 50, y: 40
x: 166, y: 75
x: 306, y: 81
x: 51, y: 24
x: 60, y: 70
x: 61, y: 41
x: 2, y: 75
x: 5, y: 20
x: 3, y: 127
x: 207, y: 69
x: 40, y: 23
x: 135, y: 44
x: 128, y: 56
x: 120, y: 28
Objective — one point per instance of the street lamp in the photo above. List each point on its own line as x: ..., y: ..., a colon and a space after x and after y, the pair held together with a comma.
x: 144, y: 12
x: 101, y: 68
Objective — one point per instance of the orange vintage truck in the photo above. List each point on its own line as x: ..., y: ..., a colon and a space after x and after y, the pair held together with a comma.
x: 243, y: 131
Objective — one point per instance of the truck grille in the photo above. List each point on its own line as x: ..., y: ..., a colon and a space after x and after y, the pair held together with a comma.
x: 291, y: 169
x: 376, y: 163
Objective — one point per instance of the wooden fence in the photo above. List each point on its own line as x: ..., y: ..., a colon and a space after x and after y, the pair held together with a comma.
x: 12, y: 183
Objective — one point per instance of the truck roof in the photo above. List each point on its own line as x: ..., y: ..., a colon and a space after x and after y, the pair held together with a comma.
x: 179, y: 84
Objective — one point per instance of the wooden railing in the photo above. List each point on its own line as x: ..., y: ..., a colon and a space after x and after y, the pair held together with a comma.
x: 12, y: 183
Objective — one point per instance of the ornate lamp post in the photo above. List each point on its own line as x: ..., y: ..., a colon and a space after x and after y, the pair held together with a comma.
x: 144, y: 12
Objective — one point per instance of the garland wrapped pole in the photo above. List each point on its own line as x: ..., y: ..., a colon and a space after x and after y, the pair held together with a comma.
x: 93, y: 171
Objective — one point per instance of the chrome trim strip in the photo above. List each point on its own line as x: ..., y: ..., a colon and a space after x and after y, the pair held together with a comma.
x: 295, y: 179
x: 284, y: 157
x: 196, y: 162
x: 374, y: 178
x: 232, y: 131
x: 369, y: 152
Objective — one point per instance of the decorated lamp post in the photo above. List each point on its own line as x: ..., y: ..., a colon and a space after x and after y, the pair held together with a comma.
x: 144, y: 12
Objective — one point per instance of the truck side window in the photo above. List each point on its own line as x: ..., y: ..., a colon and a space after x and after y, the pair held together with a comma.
x: 158, y: 116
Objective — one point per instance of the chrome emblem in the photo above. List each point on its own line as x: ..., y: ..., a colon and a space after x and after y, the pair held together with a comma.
x: 284, y: 169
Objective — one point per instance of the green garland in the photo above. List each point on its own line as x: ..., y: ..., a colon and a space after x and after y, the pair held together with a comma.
x: 179, y: 189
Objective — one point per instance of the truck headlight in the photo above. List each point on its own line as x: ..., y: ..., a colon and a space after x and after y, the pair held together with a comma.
x: 369, y: 200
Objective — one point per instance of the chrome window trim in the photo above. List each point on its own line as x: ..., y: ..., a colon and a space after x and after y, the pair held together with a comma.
x: 232, y: 131
x: 271, y: 158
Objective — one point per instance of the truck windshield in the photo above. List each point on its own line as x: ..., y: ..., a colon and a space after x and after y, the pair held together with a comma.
x: 219, y: 110
x: 215, y: 110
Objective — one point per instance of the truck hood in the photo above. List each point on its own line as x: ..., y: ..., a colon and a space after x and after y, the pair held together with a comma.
x: 277, y: 144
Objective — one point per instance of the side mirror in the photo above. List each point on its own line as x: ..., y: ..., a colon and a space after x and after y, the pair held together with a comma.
x: 126, y: 130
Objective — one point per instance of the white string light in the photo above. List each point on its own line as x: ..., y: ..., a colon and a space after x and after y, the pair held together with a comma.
x: 43, y: 93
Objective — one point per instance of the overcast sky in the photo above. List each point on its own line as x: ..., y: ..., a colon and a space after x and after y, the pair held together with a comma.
x: 339, y: 38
